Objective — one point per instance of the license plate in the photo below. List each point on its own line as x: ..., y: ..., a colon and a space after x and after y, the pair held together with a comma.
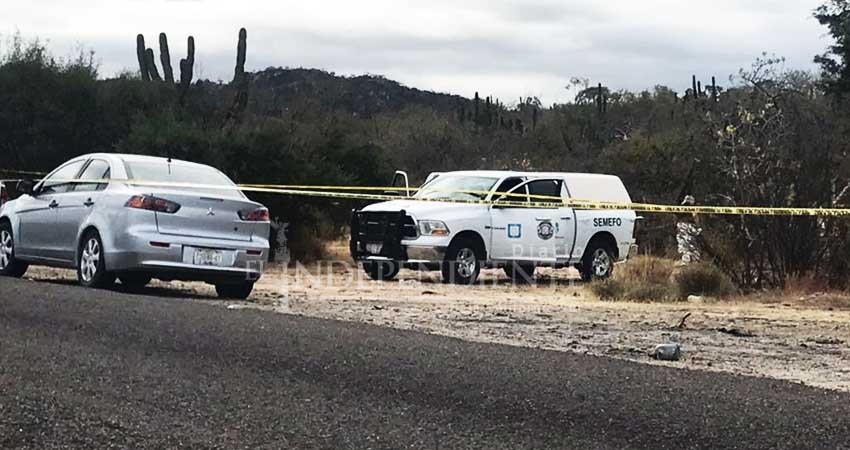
x: 374, y: 249
x: 206, y: 257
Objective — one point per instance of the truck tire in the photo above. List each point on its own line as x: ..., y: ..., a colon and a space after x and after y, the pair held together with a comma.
x: 9, y: 266
x: 462, y: 263
x: 598, y: 261
x: 381, y: 270
x: 520, y: 273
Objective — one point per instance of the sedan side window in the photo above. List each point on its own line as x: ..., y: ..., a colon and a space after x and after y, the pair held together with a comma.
x: 60, y: 180
x: 97, y: 170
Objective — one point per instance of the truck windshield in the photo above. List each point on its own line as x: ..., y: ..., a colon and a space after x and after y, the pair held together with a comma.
x: 457, y: 187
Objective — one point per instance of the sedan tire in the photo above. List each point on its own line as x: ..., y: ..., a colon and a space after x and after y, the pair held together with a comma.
x: 9, y: 265
x: 91, y: 266
x: 235, y: 291
x: 134, y: 281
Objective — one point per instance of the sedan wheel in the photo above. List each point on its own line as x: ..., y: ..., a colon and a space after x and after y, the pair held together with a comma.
x: 5, y: 249
x: 91, y: 268
x: 9, y: 266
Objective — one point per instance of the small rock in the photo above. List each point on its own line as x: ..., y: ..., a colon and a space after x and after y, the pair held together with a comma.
x: 695, y: 299
x: 737, y: 332
x: 666, y: 352
x: 826, y: 340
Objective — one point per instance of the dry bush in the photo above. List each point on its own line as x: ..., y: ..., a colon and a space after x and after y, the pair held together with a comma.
x: 641, y: 279
x: 650, y: 269
x: 610, y: 289
x: 703, y: 279
x: 805, y: 284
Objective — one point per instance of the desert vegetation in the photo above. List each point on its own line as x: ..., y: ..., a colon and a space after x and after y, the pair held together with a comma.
x: 767, y: 136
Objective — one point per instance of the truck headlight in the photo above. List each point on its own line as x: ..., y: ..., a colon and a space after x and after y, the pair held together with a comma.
x: 433, y: 228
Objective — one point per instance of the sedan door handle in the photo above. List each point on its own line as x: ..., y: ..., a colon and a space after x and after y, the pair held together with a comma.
x: 53, y: 204
x: 88, y: 203
x: 566, y: 218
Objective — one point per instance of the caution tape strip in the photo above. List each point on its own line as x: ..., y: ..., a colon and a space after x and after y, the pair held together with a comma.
x: 544, y: 202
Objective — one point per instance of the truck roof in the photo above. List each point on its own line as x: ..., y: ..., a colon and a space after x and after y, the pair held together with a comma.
x: 584, y: 186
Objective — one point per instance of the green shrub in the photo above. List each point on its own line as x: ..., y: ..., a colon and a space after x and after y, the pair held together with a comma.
x: 705, y: 280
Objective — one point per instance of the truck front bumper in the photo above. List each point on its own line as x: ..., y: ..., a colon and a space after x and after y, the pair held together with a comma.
x: 392, y: 236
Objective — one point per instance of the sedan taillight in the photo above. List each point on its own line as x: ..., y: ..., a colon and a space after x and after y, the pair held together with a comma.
x: 152, y: 204
x: 254, y: 215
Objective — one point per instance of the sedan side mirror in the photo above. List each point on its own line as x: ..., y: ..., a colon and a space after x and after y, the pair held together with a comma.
x: 25, y: 187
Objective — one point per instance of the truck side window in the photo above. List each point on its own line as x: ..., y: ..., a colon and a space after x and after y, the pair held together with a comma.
x: 549, y: 188
x: 506, y: 186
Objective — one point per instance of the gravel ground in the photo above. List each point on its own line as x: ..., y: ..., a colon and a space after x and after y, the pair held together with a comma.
x: 97, y: 369
x: 802, y: 338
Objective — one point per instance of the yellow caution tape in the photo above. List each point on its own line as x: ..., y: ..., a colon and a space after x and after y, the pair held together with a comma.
x: 544, y: 202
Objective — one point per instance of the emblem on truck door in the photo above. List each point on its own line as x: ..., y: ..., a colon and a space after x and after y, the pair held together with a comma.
x: 514, y: 231
x: 545, y: 230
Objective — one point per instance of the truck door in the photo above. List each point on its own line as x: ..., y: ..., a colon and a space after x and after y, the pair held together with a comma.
x: 528, y: 232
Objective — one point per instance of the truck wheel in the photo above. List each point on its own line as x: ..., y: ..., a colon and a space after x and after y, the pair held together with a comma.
x: 91, y: 266
x: 462, y: 264
x: 598, y: 262
x: 381, y: 270
x: 236, y: 291
x: 9, y: 266
x: 520, y: 273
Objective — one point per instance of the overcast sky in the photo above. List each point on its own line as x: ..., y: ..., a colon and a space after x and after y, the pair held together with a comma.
x: 498, y: 47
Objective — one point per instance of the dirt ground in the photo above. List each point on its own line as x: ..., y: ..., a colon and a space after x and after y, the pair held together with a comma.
x: 805, y: 340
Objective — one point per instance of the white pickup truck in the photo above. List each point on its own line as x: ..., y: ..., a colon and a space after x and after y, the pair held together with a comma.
x: 462, y: 238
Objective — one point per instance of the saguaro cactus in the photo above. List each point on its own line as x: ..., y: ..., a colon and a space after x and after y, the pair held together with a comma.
x: 187, y: 67
x: 241, y: 49
x: 713, y: 89
x: 152, y: 70
x: 165, y: 58
x: 240, y: 82
x: 477, y: 103
x: 694, y: 86
x: 140, y: 54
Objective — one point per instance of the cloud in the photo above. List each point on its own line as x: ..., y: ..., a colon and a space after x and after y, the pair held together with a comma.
x: 497, y: 47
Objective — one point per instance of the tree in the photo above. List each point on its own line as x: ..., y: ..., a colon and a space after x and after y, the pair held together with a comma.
x: 835, y: 63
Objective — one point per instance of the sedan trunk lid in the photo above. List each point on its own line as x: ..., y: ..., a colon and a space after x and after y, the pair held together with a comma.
x: 208, y: 216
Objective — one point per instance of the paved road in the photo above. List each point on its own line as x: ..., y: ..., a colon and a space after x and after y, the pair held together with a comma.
x: 95, y: 369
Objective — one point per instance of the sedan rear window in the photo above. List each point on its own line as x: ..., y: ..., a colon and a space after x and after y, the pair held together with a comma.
x: 165, y: 172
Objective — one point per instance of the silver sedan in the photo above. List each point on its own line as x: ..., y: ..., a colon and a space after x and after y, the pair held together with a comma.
x: 134, y: 218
